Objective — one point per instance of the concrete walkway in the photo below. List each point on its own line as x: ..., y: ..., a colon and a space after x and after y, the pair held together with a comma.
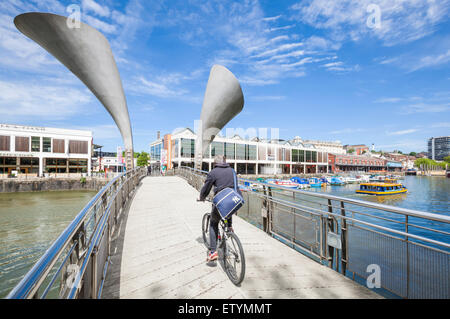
x: 160, y: 254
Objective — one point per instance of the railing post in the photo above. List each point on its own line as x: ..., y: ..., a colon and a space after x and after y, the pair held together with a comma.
x: 330, y: 227
x: 94, y: 273
x: 344, y: 257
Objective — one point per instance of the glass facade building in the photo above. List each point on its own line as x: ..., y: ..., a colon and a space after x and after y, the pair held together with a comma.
x: 247, y: 156
x: 438, y: 148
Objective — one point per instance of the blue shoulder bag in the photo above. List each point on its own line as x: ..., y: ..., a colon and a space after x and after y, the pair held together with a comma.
x: 228, y: 200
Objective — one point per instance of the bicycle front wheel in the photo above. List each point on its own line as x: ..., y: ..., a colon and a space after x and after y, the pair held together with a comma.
x: 234, y: 259
x: 205, y: 229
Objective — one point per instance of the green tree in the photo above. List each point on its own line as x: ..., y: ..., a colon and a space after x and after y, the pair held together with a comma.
x: 413, y: 154
x: 447, y: 159
x: 143, y: 159
x: 428, y: 162
x: 350, y: 151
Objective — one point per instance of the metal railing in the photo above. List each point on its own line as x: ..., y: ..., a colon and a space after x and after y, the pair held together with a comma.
x: 410, y: 249
x: 75, y: 265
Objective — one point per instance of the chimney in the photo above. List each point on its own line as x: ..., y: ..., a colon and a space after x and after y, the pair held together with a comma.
x: 158, y: 135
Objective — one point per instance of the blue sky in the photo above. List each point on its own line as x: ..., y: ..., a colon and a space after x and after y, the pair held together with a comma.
x: 361, y: 72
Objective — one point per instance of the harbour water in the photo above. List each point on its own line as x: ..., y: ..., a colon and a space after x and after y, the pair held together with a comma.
x: 425, y: 193
x: 29, y: 223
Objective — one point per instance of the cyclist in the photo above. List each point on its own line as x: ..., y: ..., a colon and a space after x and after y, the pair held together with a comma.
x: 221, y: 177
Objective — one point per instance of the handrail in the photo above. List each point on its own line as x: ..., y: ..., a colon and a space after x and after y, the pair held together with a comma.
x: 31, y: 282
x: 392, y: 209
x: 349, y: 235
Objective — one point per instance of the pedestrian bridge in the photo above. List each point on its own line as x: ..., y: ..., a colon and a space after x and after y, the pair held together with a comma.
x: 140, y: 237
x: 160, y: 254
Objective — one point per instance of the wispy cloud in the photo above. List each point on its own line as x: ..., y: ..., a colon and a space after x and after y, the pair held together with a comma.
x: 403, y: 132
x: 441, y: 125
x: 92, y: 6
x: 145, y: 86
x: 348, y: 131
x: 425, y: 108
x: 430, y: 61
x: 19, y: 101
x: 401, y: 21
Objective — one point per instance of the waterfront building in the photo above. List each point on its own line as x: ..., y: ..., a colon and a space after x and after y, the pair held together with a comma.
x: 355, y: 163
x: 407, y: 161
x: 108, y: 162
x: 35, y: 150
x: 253, y: 156
x: 358, y: 149
x: 326, y: 146
x: 438, y: 148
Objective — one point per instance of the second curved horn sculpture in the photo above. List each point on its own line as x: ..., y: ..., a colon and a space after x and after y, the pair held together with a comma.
x: 87, y: 53
x: 222, y: 102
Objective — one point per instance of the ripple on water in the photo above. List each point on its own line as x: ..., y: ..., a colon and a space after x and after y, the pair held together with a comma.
x: 29, y: 223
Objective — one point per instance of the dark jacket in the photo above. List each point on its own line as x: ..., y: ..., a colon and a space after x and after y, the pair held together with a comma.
x: 220, y: 177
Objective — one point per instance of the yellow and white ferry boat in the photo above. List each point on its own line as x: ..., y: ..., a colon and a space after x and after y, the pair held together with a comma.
x: 389, y: 188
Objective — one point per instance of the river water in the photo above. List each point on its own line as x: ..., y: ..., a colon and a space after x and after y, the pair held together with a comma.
x: 427, y: 194
x: 29, y: 223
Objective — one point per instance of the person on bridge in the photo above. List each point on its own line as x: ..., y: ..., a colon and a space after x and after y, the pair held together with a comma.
x: 221, y: 177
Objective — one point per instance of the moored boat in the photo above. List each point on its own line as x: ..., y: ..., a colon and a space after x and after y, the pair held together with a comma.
x: 336, y: 181
x: 315, y: 182
x: 381, y: 189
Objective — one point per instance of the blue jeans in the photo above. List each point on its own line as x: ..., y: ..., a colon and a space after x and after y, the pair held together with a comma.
x: 214, y: 228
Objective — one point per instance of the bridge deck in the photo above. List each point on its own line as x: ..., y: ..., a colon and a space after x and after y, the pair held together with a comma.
x: 160, y: 254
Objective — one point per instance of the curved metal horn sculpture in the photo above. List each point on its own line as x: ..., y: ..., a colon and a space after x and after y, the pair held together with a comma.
x: 87, y: 53
x: 222, y: 102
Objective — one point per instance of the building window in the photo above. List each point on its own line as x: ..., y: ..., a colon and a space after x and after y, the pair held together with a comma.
x: 301, y: 156
x: 240, y: 151
x: 5, y: 143
x: 22, y: 144
x: 250, y: 153
x: 155, y: 152
x: 35, y: 144
x: 295, y: 156
x: 46, y: 144
x: 187, y: 148
x: 308, y: 156
x: 217, y: 148
x: 58, y: 146
x: 229, y: 151
x: 78, y: 147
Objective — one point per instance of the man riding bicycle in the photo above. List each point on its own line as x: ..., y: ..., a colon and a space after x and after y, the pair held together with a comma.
x: 221, y: 177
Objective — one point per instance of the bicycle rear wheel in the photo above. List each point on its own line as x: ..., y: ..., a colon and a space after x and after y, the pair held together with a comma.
x: 205, y: 229
x: 234, y: 259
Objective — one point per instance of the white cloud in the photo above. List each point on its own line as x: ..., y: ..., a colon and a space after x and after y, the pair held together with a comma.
x: 431, y: 61
x: 272, y: 18
x: 403, y: 132
x: 348, y: 131
x: 441, y: 125
x: 22, y: 100
x: 92, y: 6
x: 389, y: 100
x: 426, y: 108
x: 401, y: 21
x: 144, y: 86
x: 99, y: 24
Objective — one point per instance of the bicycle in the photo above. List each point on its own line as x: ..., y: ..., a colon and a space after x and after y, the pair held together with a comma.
x: 233, y: 254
